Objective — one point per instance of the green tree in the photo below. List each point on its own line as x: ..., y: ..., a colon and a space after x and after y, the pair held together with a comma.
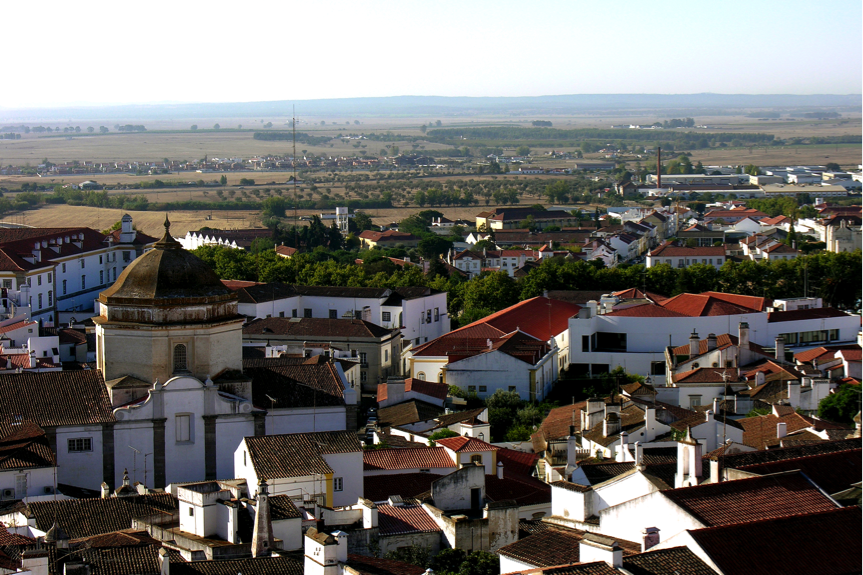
x: 274, y: 207
x: 433, y: 247
x: 832, y: 167
x: 361, y: 221
x: 423, y: 128
x: 842, y: 405
x: 223, y: 180
x: 442, y: 434
x: 522, y: 151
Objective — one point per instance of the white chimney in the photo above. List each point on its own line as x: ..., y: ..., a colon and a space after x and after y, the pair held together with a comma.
x: 715, y: 405
x: 500, y: 466
x: 780, y: 348
x: 693, y: 344
x: 571, y: 447
x: 781, y: 429
x: 639, y: 456
x: 593, y: 547
x: 743, y: 335
x: 711, y: 341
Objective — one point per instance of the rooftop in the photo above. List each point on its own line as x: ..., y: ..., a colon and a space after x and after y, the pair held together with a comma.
x: 298, y: 454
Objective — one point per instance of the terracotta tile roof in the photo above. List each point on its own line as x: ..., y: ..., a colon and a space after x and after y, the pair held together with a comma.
x: 405, y: 519
x: 709, y: 304
x: 85, y: 517
x: 304, y: 327
x: 9, y: 538
x: 470, y: 416
x: 284, y: 565
x: 555, y: 546
x: 298, y: 454
x: 595, y: 568
x: 517, y: 463
x: 631, y: 419
x: 706, y: 375
x: 430, y: 388
x: 795, y: 545
x: 408, y: 412
x: 407, y: 485
x: 281, y: 507
x: 128, y: 560
x: 569, y: 486
x: 645, y: 310
x: 751, y: 499
x: 409, y: 458
x: 723, y: 341
x: 853, y: 354
x: 760, y: 431
x: 43, y: 398
x: 464, y: 444
x: 127, y: 538
x: 303, y: 385
x: 538, y: 317
x: 671, y: 561
x: 556, y: 424
x: 735, y: 214
x: 387, y: 236
x: 379, y: 566
x: 519, y: 488
x: 286, y: 251
x: 24, y: 446
x: 801, y: 314
x: 17, y: 325
x: 833, y: 472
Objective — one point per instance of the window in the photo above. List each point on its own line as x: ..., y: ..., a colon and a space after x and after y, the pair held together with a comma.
x: 39, y: 280
x: 790, y: 338
x: 64, y: 287
x: 812, y: 336
x: 179, y: 357
x: 293, y: 313
x: 511, y: 388
x: 49, y: 278
x: 101, y: 277
x: 421, y: 375
x: 281, y: 314
x: 100, y: 259
x: 428, y: 316
x: 338, y: 484
x: 437, y: 314
x: 834, y: 334
x: 657, y: 368
x: 609, y: 341
x: 63, y: 267
x: 127, y: 256
x: 483, y: 388
x: 364, y: 360
x: 476, y: 459
x: 333, y: 314
x: 183, y: 425
x: 694, y: 401
x: 80, y: 445
x: 191, y: 511
x: 115, y: 273
x: 81, y: 261
x: 307, y: 312
x: 386, y: 355
x: 585, y: 343
x: 471, y: 388
x: 386, y: 316
x: 364, y: 376
x: 39, y: 299
x: 50, y: 298
x: 83, y: 282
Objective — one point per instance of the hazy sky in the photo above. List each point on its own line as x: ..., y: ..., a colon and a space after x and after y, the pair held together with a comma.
x: 98, y: 52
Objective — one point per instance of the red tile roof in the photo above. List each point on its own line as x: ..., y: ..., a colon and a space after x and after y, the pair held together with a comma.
x: 555, y: 546
x: 711, y: 304
x: 751, y: 499
x: 402, y: 520
x: 760, y: 431
x: 832, y: 472
x: 706, y: 375
x: 388, y: 236
x: 407, y: 458
x: 826, y: 542
x: 464, y: 444
x: 431, y: 388
x: 722, y: 341
x: 671, y: 250
x: 801, y: 314
x: 16, y: 325
x: 823, y: 354
x: 645, y: 310
x: 517, y: 462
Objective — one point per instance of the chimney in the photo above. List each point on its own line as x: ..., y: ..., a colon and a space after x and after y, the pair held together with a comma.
x: 693, y: 344
x: 688, y: 462
x: 164, y: 562
x: 658, y: 167
x: 715, y: 405
x: 35, y: 561
x: 650, y: 538
x: 639, y: 456
x: 370, y: 514
x: 571, y: 446
x: 743, y: 335
x: 781, y: 429
x: 711, y: 341
x: 780, y: 348
x: 593, y: 547
x: 714, y: 470
x: 106, y: 491
x: 622, y: 451
x: 500, y: 466
x: 262, y: 537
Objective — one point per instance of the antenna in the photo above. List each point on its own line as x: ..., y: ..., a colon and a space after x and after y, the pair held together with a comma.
x: 135, y: 462
x: 296, y: 198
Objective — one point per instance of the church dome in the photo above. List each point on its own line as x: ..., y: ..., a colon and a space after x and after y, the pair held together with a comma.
x: 167, y: 275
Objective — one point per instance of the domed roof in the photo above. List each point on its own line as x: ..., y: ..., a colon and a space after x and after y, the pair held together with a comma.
x: 168, y: 273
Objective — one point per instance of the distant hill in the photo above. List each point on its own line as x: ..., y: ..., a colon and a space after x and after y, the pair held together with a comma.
x: 439, y: 106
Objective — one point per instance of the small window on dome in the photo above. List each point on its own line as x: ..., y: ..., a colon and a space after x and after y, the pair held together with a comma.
x: 180, y: 357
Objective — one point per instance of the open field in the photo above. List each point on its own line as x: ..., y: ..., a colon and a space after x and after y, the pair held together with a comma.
x: 189, y: 145
x: 151, y: 222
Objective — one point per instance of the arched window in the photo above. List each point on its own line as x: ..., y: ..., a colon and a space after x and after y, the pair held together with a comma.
x: 481, y: 437
x: 477, y: 459
x: 440, y: 376
x: 421, y: 375
x: 180, y: 357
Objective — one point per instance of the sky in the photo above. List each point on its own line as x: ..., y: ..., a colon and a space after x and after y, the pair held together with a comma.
x: 99, y: 52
